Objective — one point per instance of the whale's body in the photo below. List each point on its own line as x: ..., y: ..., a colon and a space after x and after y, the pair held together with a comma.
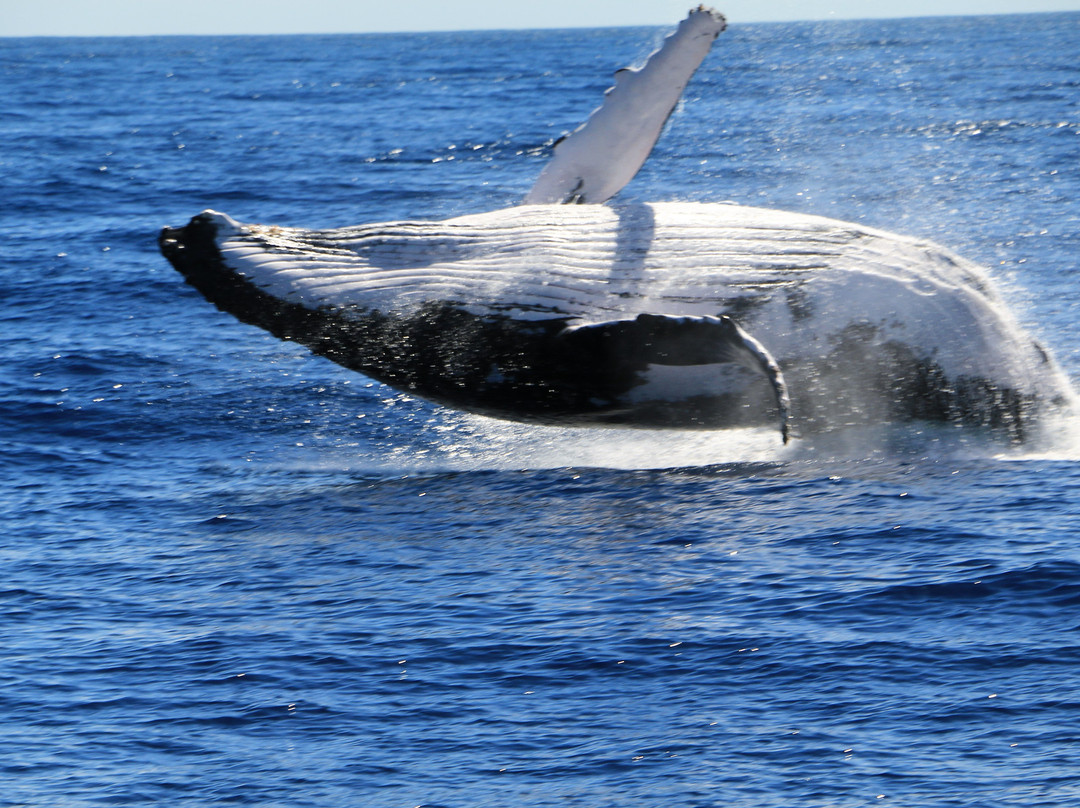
x: 688, y: 315
x: 546, y: 313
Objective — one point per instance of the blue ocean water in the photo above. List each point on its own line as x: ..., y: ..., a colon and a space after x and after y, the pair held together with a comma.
x: 237, y: 574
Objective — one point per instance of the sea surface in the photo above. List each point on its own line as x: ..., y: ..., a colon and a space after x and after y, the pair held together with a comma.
x: 235, y: 574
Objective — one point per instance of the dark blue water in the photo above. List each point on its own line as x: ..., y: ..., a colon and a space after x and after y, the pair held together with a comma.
x: 236, y: 574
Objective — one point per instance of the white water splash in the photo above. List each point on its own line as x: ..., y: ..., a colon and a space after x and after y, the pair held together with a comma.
x: 426, y: 442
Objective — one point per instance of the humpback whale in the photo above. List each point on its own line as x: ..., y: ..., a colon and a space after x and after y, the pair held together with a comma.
x: 565, y: 310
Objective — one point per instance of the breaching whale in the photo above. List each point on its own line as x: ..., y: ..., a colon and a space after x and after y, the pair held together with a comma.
x: 568, y: 311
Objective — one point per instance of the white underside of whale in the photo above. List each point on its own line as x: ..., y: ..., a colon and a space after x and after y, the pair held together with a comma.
x: 795, y: 281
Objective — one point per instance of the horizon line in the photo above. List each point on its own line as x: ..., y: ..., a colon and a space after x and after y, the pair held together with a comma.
x: 813, y: 20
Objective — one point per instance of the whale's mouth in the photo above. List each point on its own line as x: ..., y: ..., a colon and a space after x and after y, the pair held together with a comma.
x: 173, y: 243
x: 191, y: 248
x: 170, y: 241
x: 194, y: 253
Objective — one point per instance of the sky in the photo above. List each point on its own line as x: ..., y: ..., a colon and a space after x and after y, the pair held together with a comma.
x: 144, y: 17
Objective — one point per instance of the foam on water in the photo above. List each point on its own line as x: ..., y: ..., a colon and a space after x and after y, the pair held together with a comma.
x: 487, y: 443
x: 434, y: 440
x: 449, y: 441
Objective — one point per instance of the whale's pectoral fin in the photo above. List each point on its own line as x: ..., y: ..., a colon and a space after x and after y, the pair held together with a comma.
x: 658, y: 339
x: 594, y: 162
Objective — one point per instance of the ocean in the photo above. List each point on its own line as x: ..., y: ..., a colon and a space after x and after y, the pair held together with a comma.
x: 234, y: 573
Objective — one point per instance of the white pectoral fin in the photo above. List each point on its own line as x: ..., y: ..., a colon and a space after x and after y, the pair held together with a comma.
x: 748, y: 352
x: 595, y: 161
x: 665, y: 340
